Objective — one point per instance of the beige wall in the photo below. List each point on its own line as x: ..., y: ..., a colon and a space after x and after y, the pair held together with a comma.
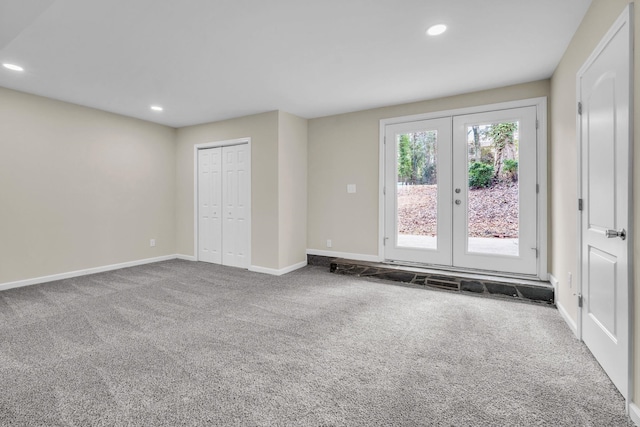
x: 564, y: 173
x: 263, y: 130
x: 292, y: 189
x: 343, y: 149
x: 80, y: 188
x: 278, y: 184
x: 71, y: 175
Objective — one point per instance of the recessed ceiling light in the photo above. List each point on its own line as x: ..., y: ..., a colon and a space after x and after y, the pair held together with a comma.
x: 12, y: 67
x: 156, y: 108
x: 436, y: 30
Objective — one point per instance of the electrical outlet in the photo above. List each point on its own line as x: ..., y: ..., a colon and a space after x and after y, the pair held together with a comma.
x: 152, y: 242
x: 570, y: 280
x: 328, y: 243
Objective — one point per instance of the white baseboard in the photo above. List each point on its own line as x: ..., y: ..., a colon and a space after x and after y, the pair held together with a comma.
x: 277, y: 272
x: 570, y: 322
x: 634, y: 413
x: 563, y: 311
x: 77, y: 273
x: 346, y: 255
x: 186, y: 257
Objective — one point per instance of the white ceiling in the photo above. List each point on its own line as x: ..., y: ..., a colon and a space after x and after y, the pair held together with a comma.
x: 208, y: 60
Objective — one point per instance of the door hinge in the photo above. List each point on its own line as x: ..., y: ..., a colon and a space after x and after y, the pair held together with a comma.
x: 580, y: 108
x: 537, y: 188
x: 384, y: 241
x: 579, y: 204
x: 537, y: 124
x: 535, y: 249
x: 384, y: 191
x: 580, y: 300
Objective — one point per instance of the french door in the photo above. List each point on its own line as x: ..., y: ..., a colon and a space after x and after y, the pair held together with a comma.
x: 460, y: 191
x: 423, y: 201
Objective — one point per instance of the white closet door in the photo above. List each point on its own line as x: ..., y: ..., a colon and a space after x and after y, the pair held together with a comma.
x: 235, y: 190
x: 210, y: 205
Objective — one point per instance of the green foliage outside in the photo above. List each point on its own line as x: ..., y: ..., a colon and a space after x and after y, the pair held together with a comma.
x: 480, y: 175
x: 417, y: 158
x: 404, y: 157
x: 429, y: 174
x: 494, y: 145
x: 493, y: 150
x: 502, y: 135
x: 510, y: 168
x: 510, y: 165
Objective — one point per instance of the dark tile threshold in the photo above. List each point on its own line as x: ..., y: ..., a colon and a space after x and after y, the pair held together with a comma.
x: 467, y: 283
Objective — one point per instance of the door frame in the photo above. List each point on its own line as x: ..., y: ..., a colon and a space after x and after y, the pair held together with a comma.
x: 541, y: 168
x: 626, y: 18
x: 216, y: 144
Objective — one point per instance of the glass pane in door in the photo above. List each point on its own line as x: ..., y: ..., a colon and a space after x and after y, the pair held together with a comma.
x: 417, y: 190
x: 493, y: 193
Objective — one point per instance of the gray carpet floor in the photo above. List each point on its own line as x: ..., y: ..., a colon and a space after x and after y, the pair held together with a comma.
x: 182, y: 343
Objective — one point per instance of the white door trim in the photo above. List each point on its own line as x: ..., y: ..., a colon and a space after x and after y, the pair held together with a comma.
x: 626, y: 18
x: 542, y: 214
x: 215, y: 144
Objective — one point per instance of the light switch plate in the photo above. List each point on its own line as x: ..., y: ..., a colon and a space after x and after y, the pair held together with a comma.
x: 351, y: 188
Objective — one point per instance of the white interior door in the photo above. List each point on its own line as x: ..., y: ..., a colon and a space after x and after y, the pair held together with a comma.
x: 210, y: 205
x: 235, y: 186
x: 421, y: 191
x: 603, y: 85
x: 224, y: 205
x: 495, y: 197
